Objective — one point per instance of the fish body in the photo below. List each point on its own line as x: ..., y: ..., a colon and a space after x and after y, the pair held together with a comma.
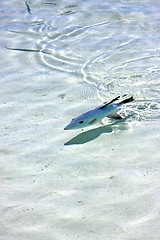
x: 97, y: 114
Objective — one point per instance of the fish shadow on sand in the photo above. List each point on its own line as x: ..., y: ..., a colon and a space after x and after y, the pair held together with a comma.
x: 92, y: 134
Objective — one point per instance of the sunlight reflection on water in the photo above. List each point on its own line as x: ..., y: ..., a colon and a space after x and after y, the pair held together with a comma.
x: 120, y: 55
x: 60, y: 59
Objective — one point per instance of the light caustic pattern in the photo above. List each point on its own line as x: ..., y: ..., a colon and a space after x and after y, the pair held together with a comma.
x: 126, y: 66
x: 115, y: 52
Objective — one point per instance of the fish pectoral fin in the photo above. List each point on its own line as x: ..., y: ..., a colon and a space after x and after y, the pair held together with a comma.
x: 114, y: 116
x: 93, y: 121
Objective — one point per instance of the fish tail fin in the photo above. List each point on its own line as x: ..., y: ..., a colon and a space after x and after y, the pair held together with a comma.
x: 127, y: 100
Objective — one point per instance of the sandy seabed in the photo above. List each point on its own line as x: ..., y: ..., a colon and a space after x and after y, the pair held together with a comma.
x: 99, y: 183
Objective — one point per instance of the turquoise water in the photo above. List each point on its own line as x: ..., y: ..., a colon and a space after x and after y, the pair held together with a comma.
x: 60, y: 59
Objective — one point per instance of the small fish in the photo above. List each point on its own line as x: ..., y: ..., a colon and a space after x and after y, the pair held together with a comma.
x: 28, y: 8
x: 97, y: 114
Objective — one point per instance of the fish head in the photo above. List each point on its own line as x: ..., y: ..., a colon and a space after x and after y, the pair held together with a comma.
x: 81, y: 121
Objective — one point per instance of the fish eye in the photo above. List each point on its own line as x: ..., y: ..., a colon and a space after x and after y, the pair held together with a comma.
x: 73, y: 119
x: 81, y: 121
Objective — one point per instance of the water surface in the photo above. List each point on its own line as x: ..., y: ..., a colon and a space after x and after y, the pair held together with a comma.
x: 60, y: 59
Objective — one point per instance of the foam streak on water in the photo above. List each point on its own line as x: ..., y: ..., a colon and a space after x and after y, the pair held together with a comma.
x: 60, y: 59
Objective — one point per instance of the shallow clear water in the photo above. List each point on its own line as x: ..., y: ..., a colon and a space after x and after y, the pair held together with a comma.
x: 58, y: 60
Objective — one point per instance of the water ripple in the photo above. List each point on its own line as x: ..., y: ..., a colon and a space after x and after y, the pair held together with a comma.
x: 114, y: 54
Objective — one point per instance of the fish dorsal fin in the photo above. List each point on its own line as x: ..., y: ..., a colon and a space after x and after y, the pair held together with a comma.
x: 115, y: 99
